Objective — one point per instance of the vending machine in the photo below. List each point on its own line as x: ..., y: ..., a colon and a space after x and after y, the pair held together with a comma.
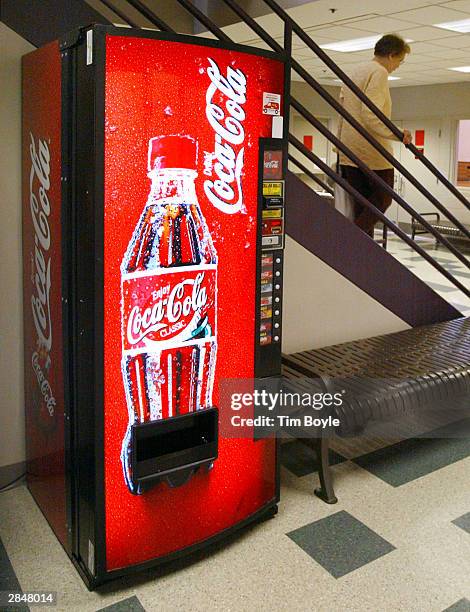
x: 153, y: 207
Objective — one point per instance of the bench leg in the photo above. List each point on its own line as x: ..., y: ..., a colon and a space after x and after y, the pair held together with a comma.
x: 325, y: 491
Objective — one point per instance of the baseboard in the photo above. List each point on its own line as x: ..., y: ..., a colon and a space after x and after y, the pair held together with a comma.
x: 9, y: 473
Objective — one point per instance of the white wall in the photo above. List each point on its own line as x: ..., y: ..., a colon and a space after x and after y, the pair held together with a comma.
x: 299, y: 127
x: 11, y: 322
x: 445, y: 100
x: 321, y: 307
x: 437, y: 109
x: 463, y: 150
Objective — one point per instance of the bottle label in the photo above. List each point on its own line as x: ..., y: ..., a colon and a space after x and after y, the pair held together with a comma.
x: 168, y: 307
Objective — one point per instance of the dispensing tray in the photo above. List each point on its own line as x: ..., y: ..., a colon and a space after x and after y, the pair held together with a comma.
x: 173, y: 449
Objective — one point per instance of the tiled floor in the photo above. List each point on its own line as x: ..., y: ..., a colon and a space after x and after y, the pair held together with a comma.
x: 410, y: 459
x: 430, y: 275
x: 340, y: 543
x: 390, y: 544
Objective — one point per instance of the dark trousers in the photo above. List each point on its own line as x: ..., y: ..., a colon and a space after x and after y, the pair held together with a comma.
x: 363, y: 216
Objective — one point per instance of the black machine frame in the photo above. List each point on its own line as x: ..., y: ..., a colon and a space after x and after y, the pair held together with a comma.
x: 83, y: 118
x: 268, y: 358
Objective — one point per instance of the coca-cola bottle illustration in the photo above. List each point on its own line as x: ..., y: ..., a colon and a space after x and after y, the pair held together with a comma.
x: 169, y: 292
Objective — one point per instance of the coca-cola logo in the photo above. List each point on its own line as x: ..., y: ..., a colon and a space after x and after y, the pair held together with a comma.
x: 44, y: 385
x: 226, y: 116
x: 171, y: 311
x: 40, y: 208
x: 271, y: 164
x: 39, y: 184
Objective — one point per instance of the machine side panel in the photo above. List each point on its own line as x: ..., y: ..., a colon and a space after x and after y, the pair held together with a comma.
x: 42, y: 284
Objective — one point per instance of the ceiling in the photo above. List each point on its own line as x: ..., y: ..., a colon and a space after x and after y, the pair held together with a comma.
x: 433, y: 50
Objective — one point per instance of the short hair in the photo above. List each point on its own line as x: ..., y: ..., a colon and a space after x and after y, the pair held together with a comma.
x: 391, y: 44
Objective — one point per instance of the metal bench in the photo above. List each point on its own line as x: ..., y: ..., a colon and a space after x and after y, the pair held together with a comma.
x: 444, y: 227
x: 386, y: 377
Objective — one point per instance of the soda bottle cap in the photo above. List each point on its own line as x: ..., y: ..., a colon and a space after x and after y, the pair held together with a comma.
x: 172, y: 152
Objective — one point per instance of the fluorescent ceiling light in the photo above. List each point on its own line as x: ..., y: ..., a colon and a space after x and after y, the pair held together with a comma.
x: 390, y: 78
x: 460, y: 68
x: 355, y: 44
x: 462, y: 26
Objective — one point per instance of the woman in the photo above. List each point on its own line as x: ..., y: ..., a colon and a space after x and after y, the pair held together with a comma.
x: 372, y: 79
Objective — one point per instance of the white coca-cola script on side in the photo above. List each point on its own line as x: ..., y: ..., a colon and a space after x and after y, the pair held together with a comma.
x: 40, y: 211
x: 225, y: 191
x: 39, y: 185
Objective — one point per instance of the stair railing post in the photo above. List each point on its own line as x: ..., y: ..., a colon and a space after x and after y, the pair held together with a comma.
x: 287, y: 83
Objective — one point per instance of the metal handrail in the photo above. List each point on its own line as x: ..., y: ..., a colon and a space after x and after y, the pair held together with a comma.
x: 250, y: 21
x: 280, y: 12
x: 151, y: 16
x: 365, y: 202
x: 382, y: 150
x: 377, y: 180
x: 204, y: 19
x: 119, y: 13
x: 349, y: 118
x: 310, y: 174
x: 244, y: 16
x: 290, y: 26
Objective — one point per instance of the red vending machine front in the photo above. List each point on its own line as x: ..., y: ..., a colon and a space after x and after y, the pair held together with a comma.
x: 162, y: 138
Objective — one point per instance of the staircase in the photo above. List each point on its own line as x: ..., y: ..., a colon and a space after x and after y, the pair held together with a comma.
x: 311, y: 219
x: 312, y: 222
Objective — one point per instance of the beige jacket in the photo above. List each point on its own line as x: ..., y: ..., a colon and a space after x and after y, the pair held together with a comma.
x: 372, y: 79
